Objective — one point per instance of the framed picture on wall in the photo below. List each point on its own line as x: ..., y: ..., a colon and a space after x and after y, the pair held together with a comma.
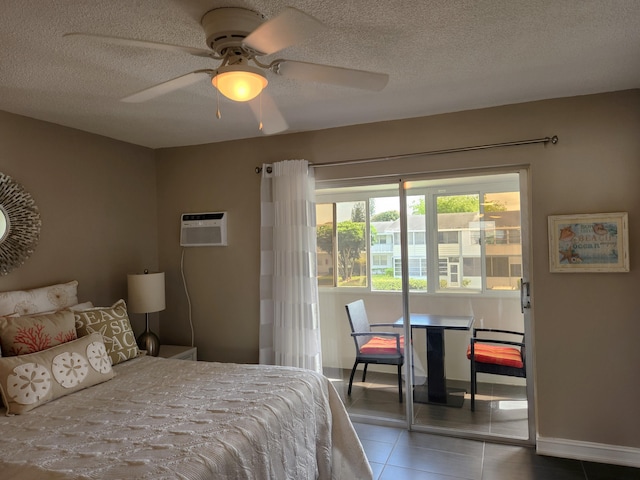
x: 589, y: 243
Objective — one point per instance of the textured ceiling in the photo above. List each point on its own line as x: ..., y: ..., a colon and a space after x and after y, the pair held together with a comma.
x: 442, y: 56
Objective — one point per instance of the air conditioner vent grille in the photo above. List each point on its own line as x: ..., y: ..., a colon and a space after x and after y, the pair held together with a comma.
x: 203, y: 229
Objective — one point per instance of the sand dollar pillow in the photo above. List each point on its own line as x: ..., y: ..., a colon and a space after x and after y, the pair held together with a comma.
x: 30, y: 334
x: 39, y: 300
x: 114, y: 326
x: 28, y: 381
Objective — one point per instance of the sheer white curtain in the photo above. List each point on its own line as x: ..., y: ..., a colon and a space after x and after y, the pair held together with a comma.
x: 289, y: 318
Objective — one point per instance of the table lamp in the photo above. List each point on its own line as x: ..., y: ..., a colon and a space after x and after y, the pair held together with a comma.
x: 146, y: 295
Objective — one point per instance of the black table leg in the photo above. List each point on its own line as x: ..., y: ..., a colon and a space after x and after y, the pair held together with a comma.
x: 437, y: 386
x: 436, y: 390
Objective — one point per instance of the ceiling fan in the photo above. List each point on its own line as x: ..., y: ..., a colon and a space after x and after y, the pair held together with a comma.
x: 237, y: 37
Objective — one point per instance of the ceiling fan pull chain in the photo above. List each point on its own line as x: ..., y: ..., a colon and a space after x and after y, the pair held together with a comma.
x: 260, y: 119
x: 218, y: 115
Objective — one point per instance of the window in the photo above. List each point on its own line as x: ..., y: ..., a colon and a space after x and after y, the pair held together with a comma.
x: 497, y: 266
x: 443, y: 266
x: 458, y: 221
x: 378, y: 260
x: 417, y: 267
x: 471, y: 227
x: 351, y: 245
x: 324, y: 251
x: 448, y: 237
x: 471, y: 267
x: 515, y: 270
x: 513, y: 236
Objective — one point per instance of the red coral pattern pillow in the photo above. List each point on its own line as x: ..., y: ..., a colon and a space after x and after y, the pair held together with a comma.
x: 30, y: 334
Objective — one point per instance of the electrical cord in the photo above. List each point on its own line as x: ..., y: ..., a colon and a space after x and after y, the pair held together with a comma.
x: 186, y: 291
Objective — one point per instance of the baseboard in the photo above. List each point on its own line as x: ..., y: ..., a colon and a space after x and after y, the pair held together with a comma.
x: 588, y: 451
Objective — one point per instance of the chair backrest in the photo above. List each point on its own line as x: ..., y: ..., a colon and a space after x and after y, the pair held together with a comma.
x: 358, y: 320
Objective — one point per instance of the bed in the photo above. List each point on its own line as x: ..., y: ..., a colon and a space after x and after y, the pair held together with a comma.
x: 148, y: 417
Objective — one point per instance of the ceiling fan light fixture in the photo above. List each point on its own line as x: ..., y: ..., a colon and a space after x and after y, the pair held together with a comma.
x: 240, y: 83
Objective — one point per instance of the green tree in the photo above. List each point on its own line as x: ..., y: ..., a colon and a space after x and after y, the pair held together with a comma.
x: 358, y: 213
x: 351, y: 244
x: 418, y: 208
x: 324, y: 237
x: 457, y: 204
x: 389, y: 216
x: 495, y: 207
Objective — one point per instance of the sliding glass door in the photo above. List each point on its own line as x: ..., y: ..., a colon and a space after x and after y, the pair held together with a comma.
x: 474, y: 270
x: 455, y: 246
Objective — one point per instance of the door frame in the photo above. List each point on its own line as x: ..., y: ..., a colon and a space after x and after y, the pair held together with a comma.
x: 524, y: 180
x: 526, y: 304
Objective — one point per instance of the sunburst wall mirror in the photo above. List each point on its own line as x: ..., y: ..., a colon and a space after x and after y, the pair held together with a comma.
x: 19, y: 224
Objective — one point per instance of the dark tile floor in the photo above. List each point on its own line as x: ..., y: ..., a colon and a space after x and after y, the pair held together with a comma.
x: 500, y: 409
x: 397, y: 454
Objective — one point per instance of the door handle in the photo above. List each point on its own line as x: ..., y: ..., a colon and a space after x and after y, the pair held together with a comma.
x: 525, y: 296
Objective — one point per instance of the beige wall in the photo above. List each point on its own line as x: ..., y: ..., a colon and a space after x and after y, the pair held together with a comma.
x: 97, y: 202
x: 99, y: 199
x: 586, y: 325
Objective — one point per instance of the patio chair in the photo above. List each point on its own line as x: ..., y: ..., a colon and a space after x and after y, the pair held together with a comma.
x: 381, y: 348
x: 495, y: 356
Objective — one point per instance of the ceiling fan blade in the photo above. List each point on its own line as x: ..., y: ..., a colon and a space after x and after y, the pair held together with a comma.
x: 270, y: 117
x: 130, y: 42
x: 290, y: 27
x: 345, y: 77
x: 166, y: 87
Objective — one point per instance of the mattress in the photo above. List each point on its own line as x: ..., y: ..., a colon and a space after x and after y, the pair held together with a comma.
x: 167, y: 419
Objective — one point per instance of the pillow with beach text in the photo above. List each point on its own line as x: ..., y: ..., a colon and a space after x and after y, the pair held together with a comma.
x: 114, y: 326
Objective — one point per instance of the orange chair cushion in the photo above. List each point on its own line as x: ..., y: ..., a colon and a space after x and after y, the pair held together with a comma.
x: 495, y: 354
x: 382, y: 346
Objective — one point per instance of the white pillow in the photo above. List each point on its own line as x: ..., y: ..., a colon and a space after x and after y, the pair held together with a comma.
x: 39, y: 300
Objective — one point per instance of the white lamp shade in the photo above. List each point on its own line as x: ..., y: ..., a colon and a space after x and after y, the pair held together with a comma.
x: 146, y: 292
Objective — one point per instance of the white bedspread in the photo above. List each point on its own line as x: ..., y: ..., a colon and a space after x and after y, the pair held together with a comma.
x: 162, y: 419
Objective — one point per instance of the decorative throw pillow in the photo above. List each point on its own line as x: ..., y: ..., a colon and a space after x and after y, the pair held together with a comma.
x: 113, y: 323
x: 30, y: 334
x: 39, y: 300
x: 81, y: 306
x: 28, y: 381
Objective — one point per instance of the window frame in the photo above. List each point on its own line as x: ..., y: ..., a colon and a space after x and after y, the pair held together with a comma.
x: 483, y: 186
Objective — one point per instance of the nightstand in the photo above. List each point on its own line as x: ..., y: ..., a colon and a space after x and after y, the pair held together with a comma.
x: 179, y: 352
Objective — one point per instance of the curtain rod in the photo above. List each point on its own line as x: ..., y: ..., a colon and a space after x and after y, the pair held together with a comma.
x: 553, y: 139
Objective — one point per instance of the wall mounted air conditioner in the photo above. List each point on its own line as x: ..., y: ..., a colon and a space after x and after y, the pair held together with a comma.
x: 203, y: 229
